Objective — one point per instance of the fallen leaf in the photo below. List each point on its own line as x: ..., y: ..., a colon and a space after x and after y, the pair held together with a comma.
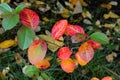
x: 7, y: 43
x: 45, y: 19
x: 107, y: 6
x: 5, y: 1
x: 87, y: 21
x: 73, y: 2
x: 53, y: 45
x: 107, y: 78
x: 5, y: 70
x: 59, y: 29
x: 109, y: 25
x: 2, y: 30
x: 84, y: 54
x: 4, y: 50
x: 83, y: 3
x: 42, y: 64
x: 78, y: 8
x: 67, y: 65
x: 29, y: 18
x: 18, y: 58
x: 109, y: 58
x: 64, y: 53
x: 86, y: 14
x: 114, y: 3
x: 65, y: 13
x: 110, y: 15
x: 37, y: 51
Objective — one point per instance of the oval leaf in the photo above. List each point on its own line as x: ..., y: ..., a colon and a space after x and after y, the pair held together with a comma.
x: 19, y: 8
x: 64, y: 53
x: 84, y: 54
x: 99, y: 37
x: 37, y: 51
x: 67, y: 65
x: 29, y: 18
x: 59, y: 29
x: 30, y: 70
x: 25, y: 37
x: 5, y: 8
x: 10, y: 22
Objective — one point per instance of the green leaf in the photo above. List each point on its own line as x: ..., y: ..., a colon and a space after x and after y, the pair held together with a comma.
x: 40, y: 78
x: 45, y: 76
x: 5, y: 8
x: 25, y: 37
x: 30, y: 70
x: 19, y: 8
x: 99, y: 37
x: 9, y: 22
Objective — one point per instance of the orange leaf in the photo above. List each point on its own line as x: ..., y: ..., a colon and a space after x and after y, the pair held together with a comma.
x: 37, y: 51
x: 94, y: 78
x: 67, y: 65
x: 95, y: 45
x: 64, y: 53
x: 107, y: 78
x: 84, y: 54
x: 29, y: 18
x: 43, y: 64
x: 73, y: 29
x: 59, y: 29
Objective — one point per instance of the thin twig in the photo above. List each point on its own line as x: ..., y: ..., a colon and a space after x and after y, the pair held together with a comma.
x: 116, y: 75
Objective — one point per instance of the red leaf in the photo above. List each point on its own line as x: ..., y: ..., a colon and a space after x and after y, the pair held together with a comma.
x: 64, y: 53
x: 37, y: 51
x: 67, y: 65
x: 29, y: 18
x: 59, y: 29
x: 107, y: 78
x: 95, y: 45
x: 73, y: 29
x: 84, y: 54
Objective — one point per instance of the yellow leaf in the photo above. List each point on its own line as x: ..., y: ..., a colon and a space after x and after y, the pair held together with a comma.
x: 45, y: 19
x: 110, y: 15
x: 109, y: 25
x: 73, y: 2
x: 83, y: 3
x: 107, y: 6
x: 113, y: 15
x: 5, y: 1
x: 7, y: 43
x: 65, y: 13
x: 86, y: 14
x: 53, y: 45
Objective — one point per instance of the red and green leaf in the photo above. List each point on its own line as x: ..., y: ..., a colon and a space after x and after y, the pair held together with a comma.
x: 29, y: 18
x: 59, y: 29
x: 37, y: 51
x: 64, y: 53
x: 78, y: 38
